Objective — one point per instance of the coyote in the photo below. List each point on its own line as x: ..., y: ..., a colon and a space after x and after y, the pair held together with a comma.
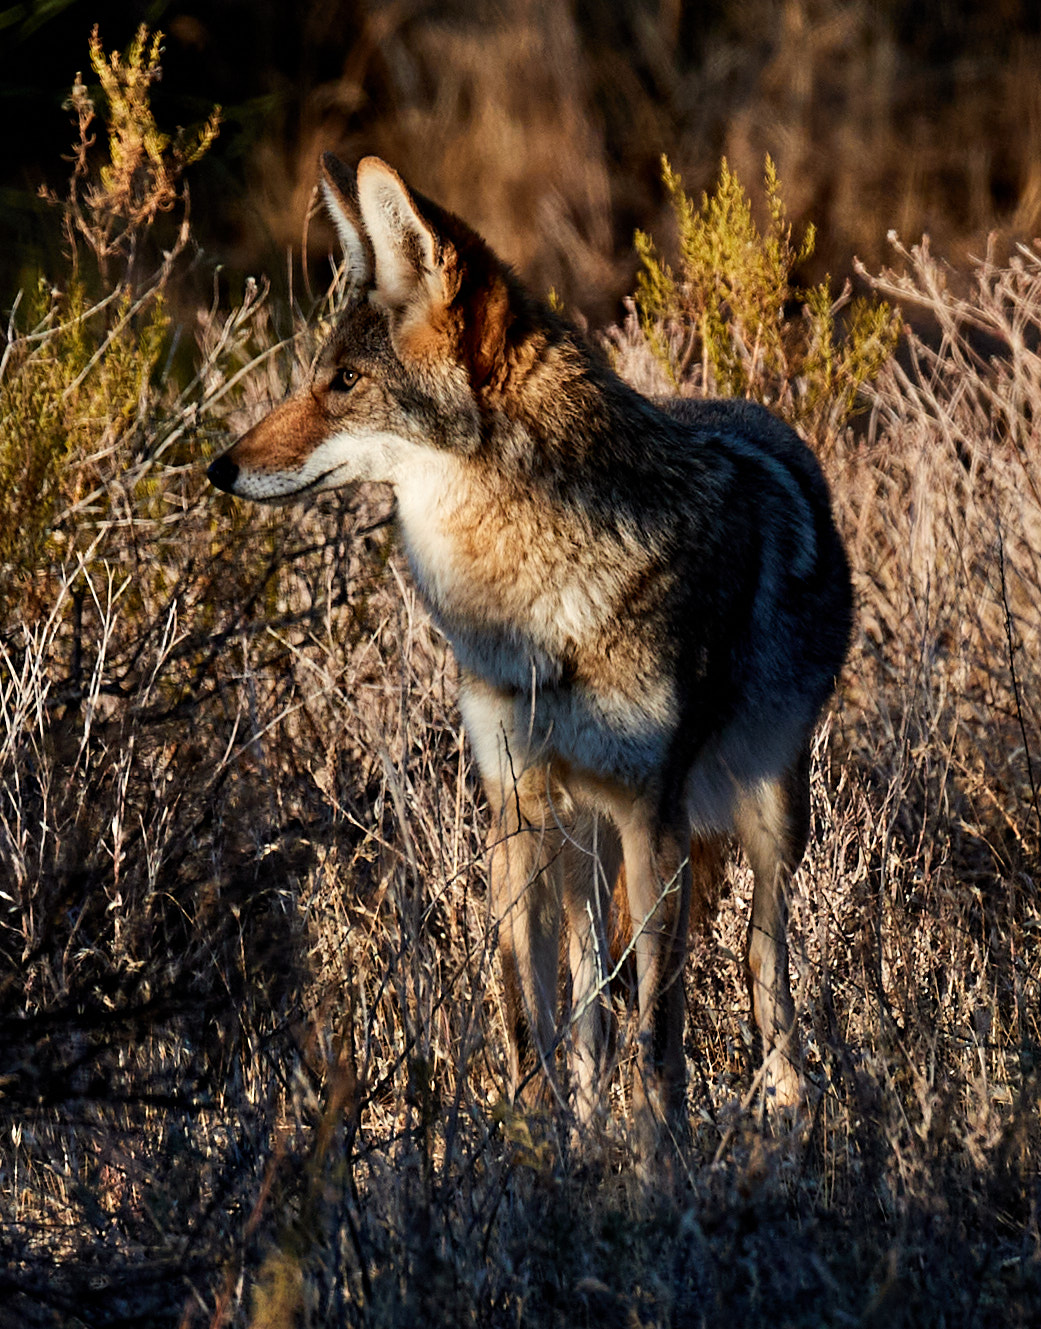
x: 648, y: 602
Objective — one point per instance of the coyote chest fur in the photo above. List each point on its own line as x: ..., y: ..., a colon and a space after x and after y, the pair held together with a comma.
x: 649, y: 603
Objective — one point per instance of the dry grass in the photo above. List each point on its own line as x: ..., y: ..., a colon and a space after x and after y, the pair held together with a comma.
x: 252, y: 1060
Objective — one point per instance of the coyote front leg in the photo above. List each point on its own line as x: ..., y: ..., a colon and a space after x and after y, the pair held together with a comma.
x: 525, y: 872
x: 592, y: 859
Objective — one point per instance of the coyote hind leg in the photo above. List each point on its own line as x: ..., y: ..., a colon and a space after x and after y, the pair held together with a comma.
x: 773, y: 825
x: 658, y: 880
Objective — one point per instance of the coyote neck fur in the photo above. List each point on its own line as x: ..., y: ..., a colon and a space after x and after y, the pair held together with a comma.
x: 502, y: 556
x: 546, y: 534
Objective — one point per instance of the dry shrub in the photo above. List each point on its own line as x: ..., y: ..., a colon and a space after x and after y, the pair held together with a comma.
x: 934, y: 826
x: 942, y: 510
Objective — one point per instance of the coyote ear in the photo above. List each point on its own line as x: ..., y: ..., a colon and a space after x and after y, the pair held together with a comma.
x: 340, y: 190
x: 404, y: 245
x: 428, y: 262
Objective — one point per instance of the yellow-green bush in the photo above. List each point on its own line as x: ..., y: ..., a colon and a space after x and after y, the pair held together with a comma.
x: 73, y: 395
x: 78, y: 386
x: 735, y: 321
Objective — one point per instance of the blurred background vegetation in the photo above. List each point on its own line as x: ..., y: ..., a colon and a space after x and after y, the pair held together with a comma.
x: 543, y: 121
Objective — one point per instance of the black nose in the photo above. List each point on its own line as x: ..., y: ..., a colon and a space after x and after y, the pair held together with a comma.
x: 223, y: 473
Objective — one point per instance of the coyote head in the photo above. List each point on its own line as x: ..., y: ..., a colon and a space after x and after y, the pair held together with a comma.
x: 433, y: 329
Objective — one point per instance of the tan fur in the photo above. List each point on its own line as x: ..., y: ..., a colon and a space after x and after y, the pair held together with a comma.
x: 648, y: 602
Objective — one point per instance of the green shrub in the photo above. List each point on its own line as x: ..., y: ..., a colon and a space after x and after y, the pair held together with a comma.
x: 79, y: 387
x: 725, y: 319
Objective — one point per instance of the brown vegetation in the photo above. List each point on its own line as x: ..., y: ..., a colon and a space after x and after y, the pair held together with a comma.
x: 251, y: 1057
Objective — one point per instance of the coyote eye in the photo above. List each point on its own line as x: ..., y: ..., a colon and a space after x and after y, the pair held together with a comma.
x: 343, y: 380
